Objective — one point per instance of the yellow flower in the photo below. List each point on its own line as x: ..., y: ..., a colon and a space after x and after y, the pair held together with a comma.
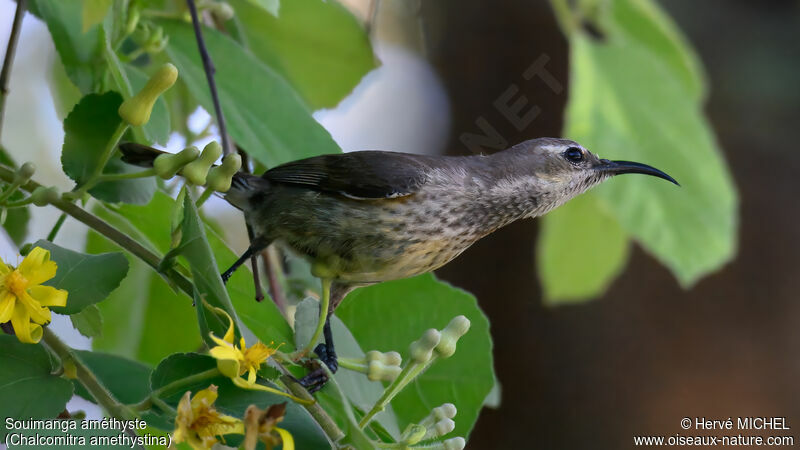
x: 23, y: 300
x: 198, y: 423
x: 260, y: 426
x: 234, y: 361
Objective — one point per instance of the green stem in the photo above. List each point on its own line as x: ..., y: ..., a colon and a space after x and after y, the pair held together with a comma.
x: 126, y: 176
x: 323, y: 315
x: 411, y: 371
x: 117, y: 72
x: 52, y: 235
x: 347, y: 409
x: 8, y: 61
x: 203, y: 197
x: 87, y: 378
x: 164, y: 406
x: 323, y: 419
x: 24, y: 202
x: 10, y: 190
x: 352, y: 364
x: 94, y: 177
x: 155, y: 397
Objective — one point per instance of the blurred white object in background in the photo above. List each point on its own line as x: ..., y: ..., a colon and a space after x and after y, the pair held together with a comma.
x: 400, y: 106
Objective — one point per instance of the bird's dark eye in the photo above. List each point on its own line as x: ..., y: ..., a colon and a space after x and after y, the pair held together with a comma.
x: 574, y: 154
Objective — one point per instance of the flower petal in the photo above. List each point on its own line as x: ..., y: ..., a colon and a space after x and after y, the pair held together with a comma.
x: 48, y: 295
x: 286, y: 437
x: 7, y: 302
x: 5, y: 269
x: 37, y: 267
x: 37, y: 312
x: 26, y: 332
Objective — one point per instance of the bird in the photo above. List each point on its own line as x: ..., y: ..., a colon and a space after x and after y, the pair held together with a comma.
x: 365, y: 217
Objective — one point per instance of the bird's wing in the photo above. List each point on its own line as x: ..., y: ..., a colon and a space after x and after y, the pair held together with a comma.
x: 358, y: 175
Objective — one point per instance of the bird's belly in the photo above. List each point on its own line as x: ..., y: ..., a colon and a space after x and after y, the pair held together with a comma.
x: 378, y: 246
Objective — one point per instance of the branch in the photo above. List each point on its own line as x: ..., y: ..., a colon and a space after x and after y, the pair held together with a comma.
x: 5, y: 74
x: 107, y: 230
x: 208, y: 66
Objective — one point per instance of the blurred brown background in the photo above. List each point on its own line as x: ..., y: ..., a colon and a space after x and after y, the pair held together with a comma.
x: 647, y: 353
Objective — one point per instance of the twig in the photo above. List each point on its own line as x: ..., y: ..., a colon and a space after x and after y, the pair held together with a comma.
x: 269, y: 258
x: 52, y: 235
x: 254, y: 264
x: 5, y: 74
x: 323, y: 419
x: 208, y: 66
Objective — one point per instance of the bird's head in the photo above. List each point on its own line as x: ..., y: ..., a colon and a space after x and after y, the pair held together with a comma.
x: 560, y: 169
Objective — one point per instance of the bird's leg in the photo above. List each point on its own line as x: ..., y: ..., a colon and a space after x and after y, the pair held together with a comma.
x: 325, y: 351
x: 253, y: 249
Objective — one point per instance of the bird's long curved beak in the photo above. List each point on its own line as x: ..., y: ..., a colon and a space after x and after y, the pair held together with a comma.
x: 620, y: 167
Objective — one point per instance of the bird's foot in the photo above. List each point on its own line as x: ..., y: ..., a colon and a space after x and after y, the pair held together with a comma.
x: 318, y: 376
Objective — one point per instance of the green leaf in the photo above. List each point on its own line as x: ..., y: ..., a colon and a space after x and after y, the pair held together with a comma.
x: 27, y: 386
x: 264, y: 114
x: 646, y: 23
x: 16, y: 221
x: 88, y: 278
x: 318, y: 46
x: 80, y: 52
x: 270, y: 6
x: 143, y: 319
x: 233, y: 400
x: 157, y: 129
x: 208, y: 285
x: 628, y: 103
x: 127, y: 380
x: 89, y: 321
x: 581, y: 250
x: 94, y: 11
x: 87, y: 131
x: 391, y: 315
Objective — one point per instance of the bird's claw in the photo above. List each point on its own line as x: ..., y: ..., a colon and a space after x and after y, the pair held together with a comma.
x: 318, y: 376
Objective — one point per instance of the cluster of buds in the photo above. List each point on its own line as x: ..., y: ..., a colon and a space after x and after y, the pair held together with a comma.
x: 198, y: 167
x: 149, y: 37
x: 423, y: 352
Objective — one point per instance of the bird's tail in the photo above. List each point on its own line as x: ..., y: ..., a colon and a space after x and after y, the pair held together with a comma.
x: 244, y: 186
x: 138, y: 154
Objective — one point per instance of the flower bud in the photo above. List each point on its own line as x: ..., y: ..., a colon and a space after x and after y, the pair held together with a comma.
x: 388, y: 358
x: 378, y: 371
x: 456, y: 443
x: 219, y: 178
x: 24, y: 173
x: 422, y: 349
x: 70, y: 370
x: 43, y: 196
x: 197, y: 170
x: 25, y: 249
x: 440, y: 428
x: 136, y: 110
x: 446, y: 411
x: 222, y: 11
x: 167, y: 165
x: 450, y: 336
